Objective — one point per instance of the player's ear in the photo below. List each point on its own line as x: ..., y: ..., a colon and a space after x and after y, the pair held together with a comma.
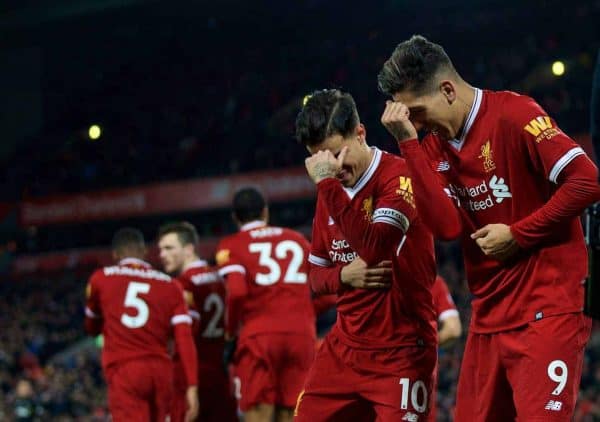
x: 361, y: 133
x: 448, y: 90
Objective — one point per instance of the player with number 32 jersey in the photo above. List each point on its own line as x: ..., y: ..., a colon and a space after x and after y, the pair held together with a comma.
x: 269, y: 304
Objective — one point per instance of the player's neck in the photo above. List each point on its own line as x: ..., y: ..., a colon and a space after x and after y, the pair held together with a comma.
x: 187, y: 263
x: 465, y: 98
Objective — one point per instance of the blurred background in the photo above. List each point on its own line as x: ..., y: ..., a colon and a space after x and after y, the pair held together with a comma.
x: 140, y: 112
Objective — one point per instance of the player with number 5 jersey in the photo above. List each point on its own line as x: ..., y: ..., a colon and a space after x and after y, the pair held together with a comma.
x: 138, y: 309
x: 269, y: 309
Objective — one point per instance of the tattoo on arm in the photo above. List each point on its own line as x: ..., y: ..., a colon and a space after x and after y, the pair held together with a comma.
x: 324, y: 170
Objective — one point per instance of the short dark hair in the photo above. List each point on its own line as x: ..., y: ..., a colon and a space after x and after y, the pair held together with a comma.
x: 325, y: 113
x: 127, y: 239
x: 413, y: 66
x: 186, y: 232
x: 248, y: 204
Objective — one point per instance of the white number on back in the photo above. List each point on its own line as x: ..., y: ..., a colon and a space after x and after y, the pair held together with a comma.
x: 292, y: 275
x: 133, y: 301
x: 561, y: 378
x: 213, y: 301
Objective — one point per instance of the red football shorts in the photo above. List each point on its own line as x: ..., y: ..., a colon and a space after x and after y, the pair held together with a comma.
x: 367, y: 385
x: 528, y: 374
x: 140, y: 390
x: 271, y: 368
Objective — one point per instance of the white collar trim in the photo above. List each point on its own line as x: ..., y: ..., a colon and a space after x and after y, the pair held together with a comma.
x: 458, y: 143
x: 134, y: 261
x: 199, y: 263
x: 252, y: 225
x: 367, y: 175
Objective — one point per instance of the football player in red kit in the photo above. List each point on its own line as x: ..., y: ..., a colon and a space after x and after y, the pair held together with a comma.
x: 370, y: 247
x: 138, y: 309
x: 269, y: 310
x: 521, y: 184
x: 449, y: 325
x: 177, y: 243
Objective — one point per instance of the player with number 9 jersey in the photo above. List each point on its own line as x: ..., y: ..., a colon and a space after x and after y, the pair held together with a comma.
x: 269, y: 305
x: 138, y: 309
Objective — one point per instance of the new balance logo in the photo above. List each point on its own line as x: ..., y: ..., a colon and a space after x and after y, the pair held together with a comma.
x: 411, y: 417
x: 555, y: 406
x: 443, y: 166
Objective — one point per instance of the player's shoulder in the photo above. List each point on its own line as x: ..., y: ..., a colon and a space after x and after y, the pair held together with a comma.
x: 391, y: 166
x: 439, y: 282
x: 231, y: 240
x: 512, y: 106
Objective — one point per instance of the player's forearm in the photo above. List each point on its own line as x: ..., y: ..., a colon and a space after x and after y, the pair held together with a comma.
x: 324, y: 280
x: 578, y: 188
x: 237, y: 290
x: 373, y: 242
x: 450, y: 332
x: 187, y: 351
x: 435, y: 208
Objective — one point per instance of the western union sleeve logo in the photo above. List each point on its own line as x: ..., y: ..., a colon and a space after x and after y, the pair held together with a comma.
x: 222, y: 257
x: 405, y: 190
x: 541, y: 127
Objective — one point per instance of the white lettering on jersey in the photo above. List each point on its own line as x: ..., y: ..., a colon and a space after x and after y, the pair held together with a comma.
x: 483, y: 195
x: 136, y: 272
x: 266, y: 232
x: 204, y: 278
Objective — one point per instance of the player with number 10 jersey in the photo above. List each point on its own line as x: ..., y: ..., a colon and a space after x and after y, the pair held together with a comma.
x: 269, y: 306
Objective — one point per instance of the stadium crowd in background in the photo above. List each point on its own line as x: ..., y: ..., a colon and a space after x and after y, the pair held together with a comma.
x: 240, y: 120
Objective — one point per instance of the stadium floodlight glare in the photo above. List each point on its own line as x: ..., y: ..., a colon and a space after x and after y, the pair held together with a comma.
x: 94, y: 132
x: 558, y: 68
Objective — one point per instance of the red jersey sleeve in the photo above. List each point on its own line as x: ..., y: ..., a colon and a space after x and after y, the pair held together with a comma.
x: 442, y: 300
x: 181, y: 321
x: 436, y: 208
x: 323, y: 276
x: 236, y: 286
x: 561, y: 161
x: 93, y: 313
x: 393, y: 211
x: 549, y: 148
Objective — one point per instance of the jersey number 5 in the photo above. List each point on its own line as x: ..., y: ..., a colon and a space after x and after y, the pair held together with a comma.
x: 133, y: 301
x: 292, y: 275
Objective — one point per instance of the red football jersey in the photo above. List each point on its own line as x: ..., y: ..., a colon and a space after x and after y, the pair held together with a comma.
x: 505, y: 166
x: 274, y: 263
x: 404, y: 314
x: 208, y: 291
x: 442, y: 300
x: 139, y: 306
